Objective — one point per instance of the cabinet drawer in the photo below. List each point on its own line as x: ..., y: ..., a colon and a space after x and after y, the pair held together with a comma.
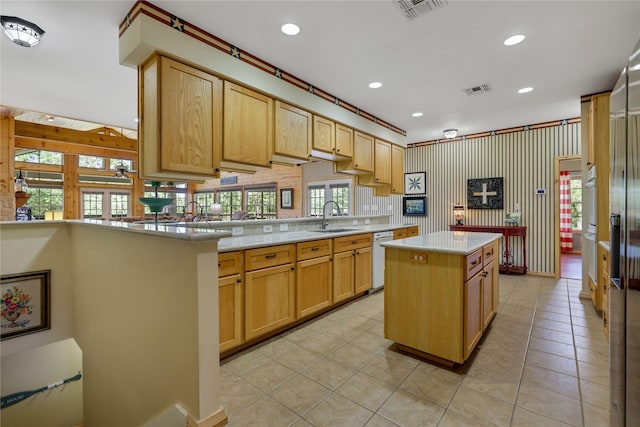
x: 314, y: 249
x: 356, y: 241
x: 489, y: 253
x: 269, y: 256
x: 413, y: 231
x: 400, y: 233
x: 473, y: 264
x: 230, y: 263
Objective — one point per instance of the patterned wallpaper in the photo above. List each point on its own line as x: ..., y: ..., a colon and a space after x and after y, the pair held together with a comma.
x: 523, y: 157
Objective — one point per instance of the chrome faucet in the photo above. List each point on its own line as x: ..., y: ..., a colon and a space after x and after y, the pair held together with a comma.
x: 323, y: 224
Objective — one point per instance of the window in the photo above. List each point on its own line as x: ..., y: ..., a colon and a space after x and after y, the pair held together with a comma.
x: 231, y: 201
x: 205, y: 200
x: 92, y: 205
x: 261, y: 202
x: 576, y: 203
x: 92, y: 162
x: 38, y: 156
x: 320, y: 192
x: 117, y: 162
x: 105, y: 203
x: 44, y: 199
x: 175, y: 191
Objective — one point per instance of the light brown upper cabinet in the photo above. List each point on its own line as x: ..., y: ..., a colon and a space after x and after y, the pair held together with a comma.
x: 248, y: 126
x: 180, y: 121
x: 294, y: 129
x: 362, y: 162
x: 382, y: 165
x: 331, y: 141
x: 397, y: 169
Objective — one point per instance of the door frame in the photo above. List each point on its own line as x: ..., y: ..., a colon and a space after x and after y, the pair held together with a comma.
x: 556, y: 181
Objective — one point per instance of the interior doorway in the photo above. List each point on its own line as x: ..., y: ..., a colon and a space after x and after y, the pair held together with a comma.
x: 569, y: 222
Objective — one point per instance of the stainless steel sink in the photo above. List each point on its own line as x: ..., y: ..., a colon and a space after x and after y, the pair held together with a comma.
x: 333, y: 230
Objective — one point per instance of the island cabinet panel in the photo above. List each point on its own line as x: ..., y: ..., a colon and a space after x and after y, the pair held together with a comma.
x: 473, y: 322
x: 230, y: 299
x: 439, y: 303
x: 424, y: 302
x: 293, y: 132
x: 181, y: 121
x: 248, y: 126
x: 269, y: 299
x: 489, y: 287
x: 313, y: 285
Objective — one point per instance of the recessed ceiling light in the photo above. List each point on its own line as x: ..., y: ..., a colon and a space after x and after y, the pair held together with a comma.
x: 290, y: 29
x: 514, y: 40
x: 525, y: 90
x: 417, y: 114
x: 375, y: 85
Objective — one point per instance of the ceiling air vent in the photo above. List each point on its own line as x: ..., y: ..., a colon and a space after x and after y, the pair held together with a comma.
x: 414, y: 8
x: 477, y: 90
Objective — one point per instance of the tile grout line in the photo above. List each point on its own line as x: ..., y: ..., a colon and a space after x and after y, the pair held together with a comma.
x: 575, y: 354
x: 524, y: 361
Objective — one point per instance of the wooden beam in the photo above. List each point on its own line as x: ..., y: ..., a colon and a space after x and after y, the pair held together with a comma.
x: 7, y: 195
x: 71, y: 190
x: 38, y: 167
x: 72, y: 148
x: 92, y: 139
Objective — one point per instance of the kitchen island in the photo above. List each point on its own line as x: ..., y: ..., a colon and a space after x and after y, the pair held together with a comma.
x: 441, y: 293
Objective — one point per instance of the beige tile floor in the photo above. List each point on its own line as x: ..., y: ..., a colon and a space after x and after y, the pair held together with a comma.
x: 543, y: 362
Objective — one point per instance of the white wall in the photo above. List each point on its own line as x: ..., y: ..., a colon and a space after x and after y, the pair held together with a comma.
x: 44, y: 357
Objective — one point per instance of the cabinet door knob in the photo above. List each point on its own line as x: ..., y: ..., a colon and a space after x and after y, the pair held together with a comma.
x: 239, y: 280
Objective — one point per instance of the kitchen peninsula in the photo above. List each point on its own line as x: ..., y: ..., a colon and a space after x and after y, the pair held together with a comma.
x: 441, y: 292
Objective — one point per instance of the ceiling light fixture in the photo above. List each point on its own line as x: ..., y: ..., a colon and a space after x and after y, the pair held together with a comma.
x: 375, y: 85
x: 21, y: 32
x: 417, y: 114
x: 290, y: 29
x: 525, y: 90
x: 513, y: 40
x: 121, y: 171
x: 450, y: 133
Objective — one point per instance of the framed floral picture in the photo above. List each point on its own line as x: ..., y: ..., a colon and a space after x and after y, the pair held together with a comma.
x: 25, y: 303
x: 415, y: 183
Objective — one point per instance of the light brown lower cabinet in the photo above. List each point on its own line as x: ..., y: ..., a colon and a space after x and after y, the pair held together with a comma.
x: 269, y: 296
x: 473, y: 324
x: 230, y: 311
x: 362, y: 270
x: 230, y: 299
x: 313, y: 285
x: 343, y: 272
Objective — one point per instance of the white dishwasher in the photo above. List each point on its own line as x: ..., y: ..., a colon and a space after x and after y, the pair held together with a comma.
x: 377, y: 273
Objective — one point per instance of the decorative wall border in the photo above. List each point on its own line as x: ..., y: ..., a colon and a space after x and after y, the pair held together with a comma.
x: 164, y: 17
x: 498, y: 132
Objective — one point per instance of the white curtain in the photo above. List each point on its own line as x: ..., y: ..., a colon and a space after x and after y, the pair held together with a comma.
x: 566, y: 233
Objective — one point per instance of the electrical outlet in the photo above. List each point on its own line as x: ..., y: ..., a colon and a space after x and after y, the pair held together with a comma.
x: 365, y: 207
x: 367, y: 221
x: 374, y: 207
x: 284, y: 227
x: 237, y: 231
x: 267, y: 228
x: 390, y: 207
x: 355, y: 222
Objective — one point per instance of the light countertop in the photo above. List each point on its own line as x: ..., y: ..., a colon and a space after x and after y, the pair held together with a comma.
x: 167, y: 231
x: 455, y: 242
x: 268, y: 239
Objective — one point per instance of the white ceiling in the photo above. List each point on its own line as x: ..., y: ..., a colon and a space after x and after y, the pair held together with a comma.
x: 572, y: 48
